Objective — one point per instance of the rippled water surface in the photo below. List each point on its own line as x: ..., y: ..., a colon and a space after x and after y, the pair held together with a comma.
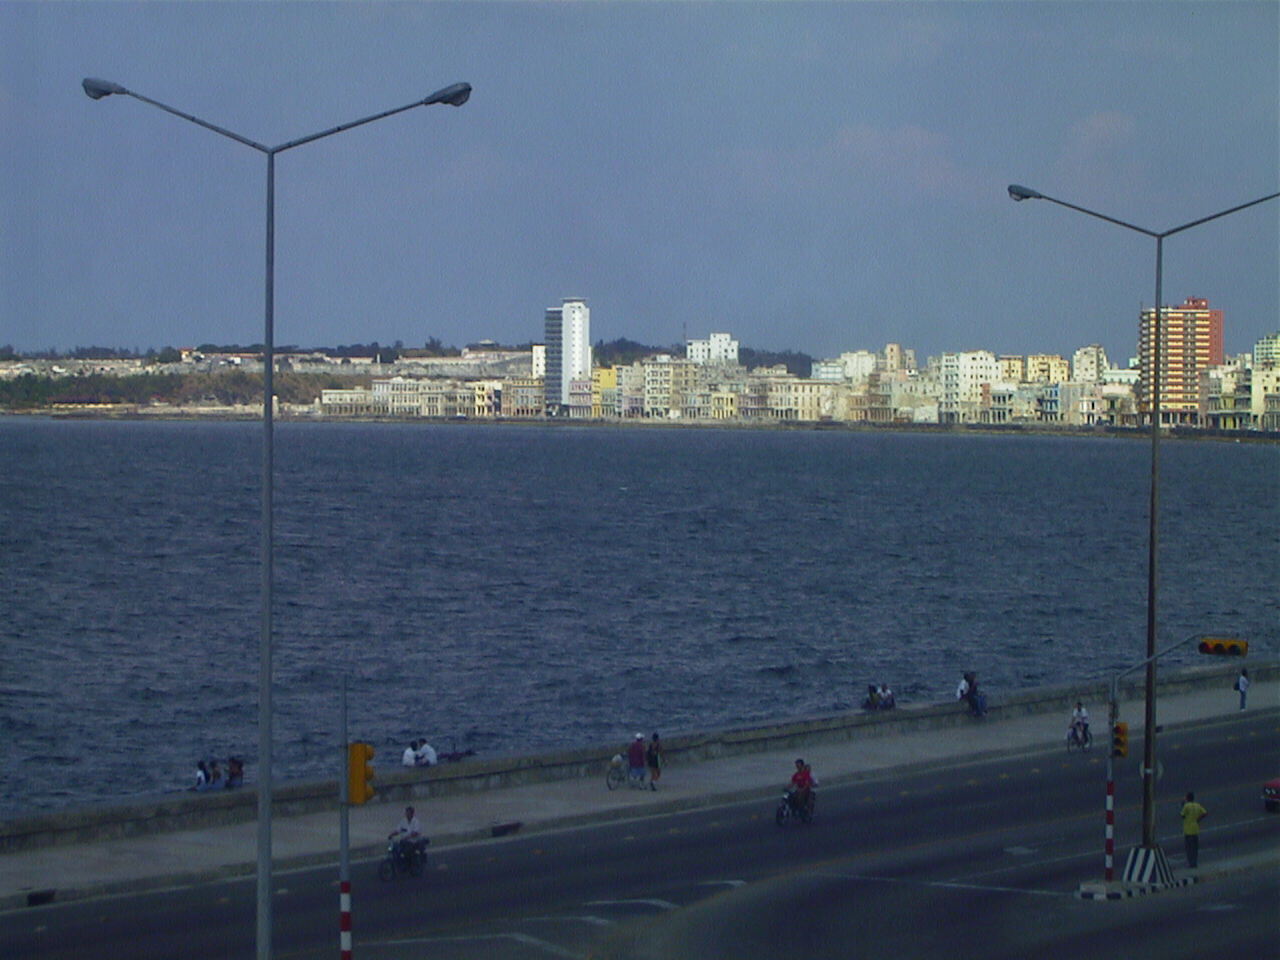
x: 513, y: 588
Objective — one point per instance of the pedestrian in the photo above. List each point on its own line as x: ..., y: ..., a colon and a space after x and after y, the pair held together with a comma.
x: 653, y: 760
x: 1192, y: 813
x: 1242, y: 686
x: 635, y: 761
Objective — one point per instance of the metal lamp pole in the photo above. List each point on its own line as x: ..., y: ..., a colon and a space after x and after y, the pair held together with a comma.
x: 455, y: 95
x: 1017, y: 192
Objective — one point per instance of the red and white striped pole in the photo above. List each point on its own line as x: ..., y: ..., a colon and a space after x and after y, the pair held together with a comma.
x: 344, y: 905
x: 1110, y: 855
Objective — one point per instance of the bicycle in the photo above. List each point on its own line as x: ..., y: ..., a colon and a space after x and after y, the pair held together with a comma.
x: 617, y: 774
x: 1079, y: 738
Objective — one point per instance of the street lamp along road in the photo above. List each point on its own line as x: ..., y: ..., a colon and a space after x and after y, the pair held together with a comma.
x: 1150, y: 853
x: 454, y: 95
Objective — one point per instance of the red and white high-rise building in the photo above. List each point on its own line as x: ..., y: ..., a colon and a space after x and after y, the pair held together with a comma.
x: 1190, y: 341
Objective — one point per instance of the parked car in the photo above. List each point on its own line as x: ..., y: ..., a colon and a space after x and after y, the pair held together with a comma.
x: 1271, y: 795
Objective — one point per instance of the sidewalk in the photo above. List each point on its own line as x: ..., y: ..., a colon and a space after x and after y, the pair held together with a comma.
x: 58, y: 874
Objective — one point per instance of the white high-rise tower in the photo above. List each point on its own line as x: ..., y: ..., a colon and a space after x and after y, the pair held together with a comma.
x: 568, y: 342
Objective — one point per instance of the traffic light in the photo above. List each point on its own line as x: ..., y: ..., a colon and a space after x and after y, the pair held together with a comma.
x: 1224, y: 646
x: 359, y: 772
x: 1120, y: 740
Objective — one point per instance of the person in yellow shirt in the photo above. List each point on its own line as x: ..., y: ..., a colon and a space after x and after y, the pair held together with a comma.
x: 1192, y: 813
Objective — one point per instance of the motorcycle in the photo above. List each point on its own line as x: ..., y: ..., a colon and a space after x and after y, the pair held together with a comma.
x: 404, y: 857
x: 789, y: 808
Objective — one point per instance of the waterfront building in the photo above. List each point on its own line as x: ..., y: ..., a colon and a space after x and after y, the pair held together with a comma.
x: 716, y: 349
x: 1226, y: 397
x: 1267, y: 350
x: 667, y: 380
x: 568, y: 352
x: 352, y: 402
x: 1191, y: 340
x: 397, y: 397
x: 604, y: 393
x: 486, y: 400
x: 523, y: 397
x: 1013, y: 369
x: 827, y: 370
x: 1088, y: 364
x: 859, y: 365
x: 581, y: 395
x: 1264, y: 395
x: 961, y: 377
x: 895, y: 358
x: 1047, y: 368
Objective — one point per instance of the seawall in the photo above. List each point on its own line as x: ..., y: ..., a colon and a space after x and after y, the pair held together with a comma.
x: 395, y: 784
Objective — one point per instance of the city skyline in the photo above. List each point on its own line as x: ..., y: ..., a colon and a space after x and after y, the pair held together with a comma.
x: 692, y: 167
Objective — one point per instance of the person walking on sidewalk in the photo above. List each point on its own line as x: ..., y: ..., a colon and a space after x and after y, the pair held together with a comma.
x: 653, y: 760
x: 1242, y: 686
x: 635, y: 761
x: 1192, y: 813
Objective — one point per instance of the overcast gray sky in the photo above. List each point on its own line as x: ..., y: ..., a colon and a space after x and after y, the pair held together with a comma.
x: 820, y: 177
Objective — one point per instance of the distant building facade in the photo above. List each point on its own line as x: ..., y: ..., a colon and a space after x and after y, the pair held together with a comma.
x: 568, y: 353
x: 1190, y: 341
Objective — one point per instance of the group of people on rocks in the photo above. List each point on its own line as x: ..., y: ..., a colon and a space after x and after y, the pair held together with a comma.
x: 210, y: 776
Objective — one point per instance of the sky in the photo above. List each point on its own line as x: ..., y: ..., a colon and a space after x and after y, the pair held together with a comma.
x: 815, y: 177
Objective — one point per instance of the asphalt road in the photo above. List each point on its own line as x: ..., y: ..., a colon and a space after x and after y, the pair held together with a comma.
x: 989, y: 855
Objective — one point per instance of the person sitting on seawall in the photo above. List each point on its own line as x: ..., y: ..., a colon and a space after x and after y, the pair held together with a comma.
x: 410, y: 756
x: 202, y: 776
x: 887, y: 701
x: 873, y: 698
x: 424, y: 755
x: 235, y: 772
x: 216, y: 780
x: 407, y: 834
x: 968, y: 692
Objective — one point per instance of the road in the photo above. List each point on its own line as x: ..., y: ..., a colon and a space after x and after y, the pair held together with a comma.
x: 988, y: 854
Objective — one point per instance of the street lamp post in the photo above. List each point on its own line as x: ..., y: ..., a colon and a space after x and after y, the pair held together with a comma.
x: 1017, y: 192
x: 454, y: 95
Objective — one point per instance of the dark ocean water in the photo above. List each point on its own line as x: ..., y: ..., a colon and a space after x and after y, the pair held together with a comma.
x: 525, y: 587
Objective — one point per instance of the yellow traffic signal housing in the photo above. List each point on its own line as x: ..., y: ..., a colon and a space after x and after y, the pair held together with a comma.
x: 1224, y: 646
x: 1120, y: 740
x: 359, y: 772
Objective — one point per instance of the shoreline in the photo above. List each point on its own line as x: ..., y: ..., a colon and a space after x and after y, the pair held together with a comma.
x: 132, y: 412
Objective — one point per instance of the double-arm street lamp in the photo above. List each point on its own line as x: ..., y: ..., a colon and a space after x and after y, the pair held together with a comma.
x: 1017, y: 192
x: 454, y: 95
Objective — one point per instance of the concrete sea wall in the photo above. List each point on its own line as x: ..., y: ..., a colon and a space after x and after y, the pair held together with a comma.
x: 396, y: 784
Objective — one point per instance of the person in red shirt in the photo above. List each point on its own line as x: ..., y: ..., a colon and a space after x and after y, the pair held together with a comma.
x: 635, y: 761
x: 802, y: 783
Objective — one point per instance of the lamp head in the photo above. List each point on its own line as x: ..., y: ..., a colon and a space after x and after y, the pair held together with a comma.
x: 97, y: 89
x: 1017, y: 192
x: 456, y: 94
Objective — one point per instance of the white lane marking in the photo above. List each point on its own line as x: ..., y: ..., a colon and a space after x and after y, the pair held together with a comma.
x: 723, y: 883
x: 520, y: 938
x: 948, y: 885
x: 660, y: 904
x: 594, y: 921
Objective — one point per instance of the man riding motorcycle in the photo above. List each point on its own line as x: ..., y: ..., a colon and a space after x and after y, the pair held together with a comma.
x: 408, y: 835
